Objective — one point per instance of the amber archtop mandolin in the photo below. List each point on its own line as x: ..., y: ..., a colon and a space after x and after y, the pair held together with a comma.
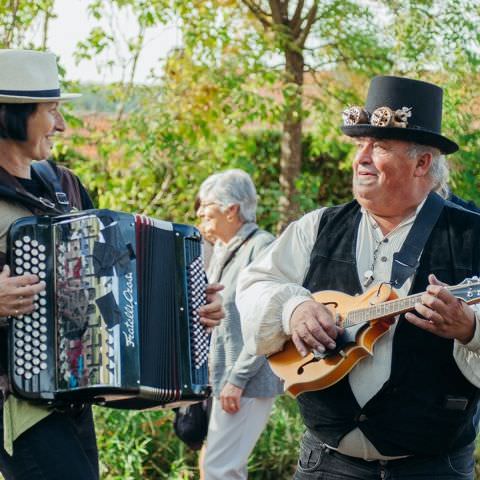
x: 365, y: 319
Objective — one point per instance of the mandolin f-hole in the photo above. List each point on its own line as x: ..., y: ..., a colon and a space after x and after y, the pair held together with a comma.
x: 335, y: 304
x: 301, y: 369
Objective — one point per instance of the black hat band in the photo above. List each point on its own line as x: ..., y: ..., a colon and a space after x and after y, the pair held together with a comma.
x: 32, y: 93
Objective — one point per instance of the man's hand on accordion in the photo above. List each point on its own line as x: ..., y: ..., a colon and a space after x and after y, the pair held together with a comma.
x: 17, y: 294
x: 212, y: 313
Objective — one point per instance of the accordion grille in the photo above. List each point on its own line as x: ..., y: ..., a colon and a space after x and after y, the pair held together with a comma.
x: 160, y: 336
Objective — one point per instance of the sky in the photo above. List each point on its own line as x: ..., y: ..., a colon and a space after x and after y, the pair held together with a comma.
x: 73, y: 24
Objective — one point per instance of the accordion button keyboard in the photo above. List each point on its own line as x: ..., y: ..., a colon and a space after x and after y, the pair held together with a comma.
x: 199, y: 335
x: 20, y: 371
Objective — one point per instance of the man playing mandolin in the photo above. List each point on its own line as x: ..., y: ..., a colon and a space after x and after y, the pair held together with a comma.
x: 407, y: 410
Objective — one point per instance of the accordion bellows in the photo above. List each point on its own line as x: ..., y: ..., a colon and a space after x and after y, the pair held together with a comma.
x: 117, y: 324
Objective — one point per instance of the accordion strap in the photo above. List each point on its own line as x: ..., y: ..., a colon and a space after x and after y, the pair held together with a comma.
x: 47, y: 173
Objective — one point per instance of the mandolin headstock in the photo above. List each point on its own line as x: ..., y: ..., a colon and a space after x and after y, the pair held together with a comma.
x: 468, y: 290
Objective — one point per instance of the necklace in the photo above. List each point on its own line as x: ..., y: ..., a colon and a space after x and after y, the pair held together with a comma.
x: 369, y: 274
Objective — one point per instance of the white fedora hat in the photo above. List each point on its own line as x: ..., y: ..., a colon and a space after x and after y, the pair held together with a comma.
x: 28, y: 76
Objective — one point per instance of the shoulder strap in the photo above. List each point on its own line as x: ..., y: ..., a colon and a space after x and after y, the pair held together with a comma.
x: 407, y: 260
x: 47, y: 173
x: 234, y: 252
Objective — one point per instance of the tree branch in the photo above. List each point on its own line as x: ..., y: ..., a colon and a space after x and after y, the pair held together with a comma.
x: 45, y: 29
x: 14, y: 6
x: 261, y: 15
x: 276, y: 8
x: 310, y: 21
x: 296, y: 22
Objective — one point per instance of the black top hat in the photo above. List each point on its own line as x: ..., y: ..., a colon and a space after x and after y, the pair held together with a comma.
x: 400, y: 109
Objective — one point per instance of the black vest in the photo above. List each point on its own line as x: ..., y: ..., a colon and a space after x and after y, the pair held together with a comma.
x: 415, y: 411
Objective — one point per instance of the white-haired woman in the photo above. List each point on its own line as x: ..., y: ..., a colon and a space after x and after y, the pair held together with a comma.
x: 244, y: 387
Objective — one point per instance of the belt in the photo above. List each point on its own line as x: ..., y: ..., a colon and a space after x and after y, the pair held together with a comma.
x: 413, y: 459
x: 312, y: 441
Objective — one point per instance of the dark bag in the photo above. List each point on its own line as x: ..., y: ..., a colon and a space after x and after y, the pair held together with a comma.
x: 191, y: 424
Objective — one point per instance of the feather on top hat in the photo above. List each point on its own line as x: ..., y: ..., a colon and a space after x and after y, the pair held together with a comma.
x: 400, y: 108
x: 28, y: 76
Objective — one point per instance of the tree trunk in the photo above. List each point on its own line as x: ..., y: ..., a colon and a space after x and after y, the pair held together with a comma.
x: 291, y: 148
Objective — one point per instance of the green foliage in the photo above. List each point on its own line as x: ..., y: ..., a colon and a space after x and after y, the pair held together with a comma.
x: 138, y: 445
x: 18, y: 18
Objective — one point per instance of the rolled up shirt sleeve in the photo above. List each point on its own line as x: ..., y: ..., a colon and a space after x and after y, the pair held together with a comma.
x: 467, y: 356
x: 270, y: 288
x: 245, y: 368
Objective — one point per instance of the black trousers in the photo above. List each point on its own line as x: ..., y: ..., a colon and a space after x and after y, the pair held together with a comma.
x: 62, y: 446
x: 318, y: 462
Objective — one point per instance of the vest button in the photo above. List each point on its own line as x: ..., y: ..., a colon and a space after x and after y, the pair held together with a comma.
x: 362, y: 417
